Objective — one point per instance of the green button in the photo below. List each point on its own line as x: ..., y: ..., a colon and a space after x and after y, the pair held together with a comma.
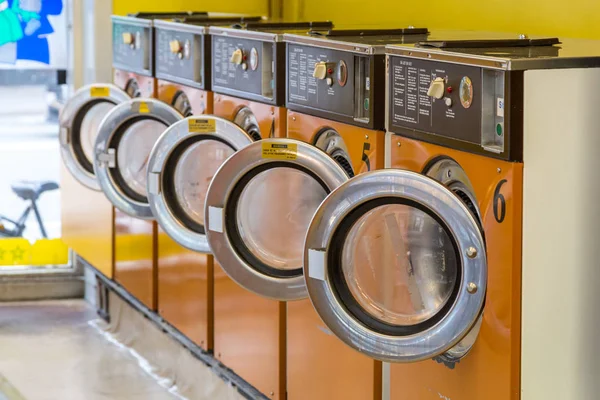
x: 366, y: 104
x: 499, y: 129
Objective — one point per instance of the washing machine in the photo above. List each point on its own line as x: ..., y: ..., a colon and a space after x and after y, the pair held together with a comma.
x: 447, y: 264
x: 264, y: 196
x: 185, y: 273
x: 248, y: 79
x: 87, y: 216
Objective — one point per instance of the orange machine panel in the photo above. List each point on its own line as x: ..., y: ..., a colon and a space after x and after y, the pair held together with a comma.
x: 185, y: 285
x: 491, y: 370
x: 134, y: 257
x: 87, y: 223
x: 271, y: 119
x: 249, y: 329
x: 185, y: 278
x: 146, y: 84
x: 320, y: 366
x: 200, y: 100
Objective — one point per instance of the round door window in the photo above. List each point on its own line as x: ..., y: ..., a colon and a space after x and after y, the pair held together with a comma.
x: 133, y: 146
x: 258, y: 210
x: 80, y: 120
x: 421, y: 267
x: 273, y: 212
x: 395, y: 265
x: 183, y: 163
x: 194, y: 172
x: 123, y: 147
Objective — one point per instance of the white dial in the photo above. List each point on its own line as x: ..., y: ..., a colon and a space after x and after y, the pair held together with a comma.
x: 254, y: 59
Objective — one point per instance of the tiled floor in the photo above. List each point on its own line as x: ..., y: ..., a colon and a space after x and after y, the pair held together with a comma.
x: 49, y: 351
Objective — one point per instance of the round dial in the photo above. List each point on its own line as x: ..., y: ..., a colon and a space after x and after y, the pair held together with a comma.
x: 253, y: 59
x: 342, y: 73
x: 466, y: 92
x: 187, y: 49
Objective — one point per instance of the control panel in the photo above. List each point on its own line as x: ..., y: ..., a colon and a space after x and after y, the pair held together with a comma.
x: 133, y: 47
x: 462, y: 103
x: 180, y: 57
x: 335, y: 84
x: 245, y: 67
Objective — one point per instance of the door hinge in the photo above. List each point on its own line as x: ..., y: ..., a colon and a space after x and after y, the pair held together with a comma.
x: 107, y: 159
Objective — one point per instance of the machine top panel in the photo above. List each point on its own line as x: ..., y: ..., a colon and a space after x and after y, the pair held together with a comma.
x: 503, y: 51
x: 134, y: 21
x: 200, y: 26
x: 358, y: 40
x: 269, y: 30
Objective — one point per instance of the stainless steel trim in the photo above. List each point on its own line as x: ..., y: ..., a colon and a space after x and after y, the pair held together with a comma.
x: 333, y: 44
x: 170, y: 139
x: 226, y: 179
x: 154, y: 183
x: 111, y: 124
x: 146, y: 23
x: 180, y: 27
x: 245, y: 34
x: 82, y: 97
x: 455, y: 325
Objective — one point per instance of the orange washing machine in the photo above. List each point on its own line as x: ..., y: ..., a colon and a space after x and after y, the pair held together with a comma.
x: 87, y: 217
x: 441, y: 264
x: 261, y: 200
x: 185, y: 277
x: 336, y: 98
x: 248, y: 78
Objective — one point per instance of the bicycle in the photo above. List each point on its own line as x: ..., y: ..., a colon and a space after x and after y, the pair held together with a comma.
x: 27, y: 191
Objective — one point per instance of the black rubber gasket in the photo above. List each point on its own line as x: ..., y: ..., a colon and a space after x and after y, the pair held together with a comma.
x: 113, y: 143
x: 340, y: 285
x: 76, y: 134
x: 232, y: 228
x: 168, y: 181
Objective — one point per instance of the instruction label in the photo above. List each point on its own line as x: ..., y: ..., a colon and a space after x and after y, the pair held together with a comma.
x: 280, y: 151
x: 144, y: 108
x: 100, y: 91
x: 202, y: 125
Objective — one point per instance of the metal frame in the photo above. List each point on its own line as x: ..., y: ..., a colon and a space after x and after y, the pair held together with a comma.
x: 67, y: 117
x: 226, y: 179
x: 432, y: 195
x: 173, y: 136
x: 111, y: 124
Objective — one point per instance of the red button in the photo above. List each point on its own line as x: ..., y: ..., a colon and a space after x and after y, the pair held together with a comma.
x: 245, y: 57
x: 449, y: 89
x: 330, y: 71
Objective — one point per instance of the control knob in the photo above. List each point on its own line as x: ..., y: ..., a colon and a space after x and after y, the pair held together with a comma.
x: 237, y: 57
x: 437, y: 88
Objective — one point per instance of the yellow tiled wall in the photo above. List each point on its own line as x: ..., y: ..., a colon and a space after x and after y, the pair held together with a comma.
x: 254, y: 7
x: 574, y: 18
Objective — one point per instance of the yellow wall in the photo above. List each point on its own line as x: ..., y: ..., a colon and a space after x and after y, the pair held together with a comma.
x: 562, y: 18
x: 254, y: 7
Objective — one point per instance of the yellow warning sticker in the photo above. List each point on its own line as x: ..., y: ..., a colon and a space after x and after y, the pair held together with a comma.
x: 280, y: 151
x: 144, y: 108
x: 202, y: 125
x: 100, y: 91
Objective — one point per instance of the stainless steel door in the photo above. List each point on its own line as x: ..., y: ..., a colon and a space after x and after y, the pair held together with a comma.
x: 79, y: 122
x: 395, y: 265
x: 122, y: 150
x: 257, y: 212
x: 181, y: 167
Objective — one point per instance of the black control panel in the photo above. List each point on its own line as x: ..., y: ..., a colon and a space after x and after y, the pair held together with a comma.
x: 413, y: 108
x: 462, y: 106
x: 133, y: 47
x: 247, y: 68
x: 180, y: 57
x: 338, y: 85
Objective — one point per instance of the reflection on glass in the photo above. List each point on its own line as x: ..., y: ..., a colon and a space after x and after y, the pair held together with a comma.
x: 399, y: 264
x: 274, y: 212
x: 194, y: 172
x: 89, y: 127
x: 134, y: 151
